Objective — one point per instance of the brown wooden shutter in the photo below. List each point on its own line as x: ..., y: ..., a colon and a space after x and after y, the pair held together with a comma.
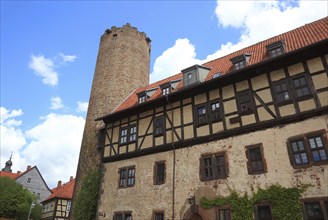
x: 214, y: 167
x: 201, y: 169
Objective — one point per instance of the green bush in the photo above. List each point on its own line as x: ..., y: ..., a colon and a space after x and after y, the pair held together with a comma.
x: 15, y: 201
x: 87, y: 199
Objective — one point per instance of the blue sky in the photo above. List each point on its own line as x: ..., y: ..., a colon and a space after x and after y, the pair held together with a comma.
x: 49, y: 51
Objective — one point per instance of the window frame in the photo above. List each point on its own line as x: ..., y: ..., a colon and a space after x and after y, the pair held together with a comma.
x: 156, y: 213
x: 307, y: 86
x: 213, y: 166
x: 250, y: 161
x: 159, y: 178
x: 249, y: 102
x: 123, y: 215
x: 128, y: 134
x: 203, y: 116
x: 276, y: 93
x: 275, y: 49
x: 322, y: 201
x: 223, y: 208
x: 308, y: 150
x: 263, y: 204
x: 216, y: 111
x: 159, y: 122
x: 126, y: 177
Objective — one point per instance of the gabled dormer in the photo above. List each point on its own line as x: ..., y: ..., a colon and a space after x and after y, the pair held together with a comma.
x: 275, y: 49
x: 145, y: 95
x: 168, y: 87
x: 240, y: 61
x: 194, y: 74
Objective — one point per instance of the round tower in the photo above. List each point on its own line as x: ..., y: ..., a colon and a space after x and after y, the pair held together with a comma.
x: 122, y: 66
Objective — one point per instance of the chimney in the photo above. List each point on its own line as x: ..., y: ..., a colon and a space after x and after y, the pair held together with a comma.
x: 59, y: 184
x: 28, y: 167
x: 71, y: 178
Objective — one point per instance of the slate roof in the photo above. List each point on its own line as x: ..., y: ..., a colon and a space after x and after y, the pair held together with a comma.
x: 295, y: 39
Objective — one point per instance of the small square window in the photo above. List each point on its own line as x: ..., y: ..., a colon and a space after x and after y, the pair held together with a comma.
x: 275, y: 49
x: 166, y: 90
x: 142, y: 99
x: 128, y: 134
x: 281, y: 92
x: 301, y: 87
x: 127, y: 177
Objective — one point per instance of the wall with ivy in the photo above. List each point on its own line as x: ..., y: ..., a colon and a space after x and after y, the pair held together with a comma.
x: 285, y: 203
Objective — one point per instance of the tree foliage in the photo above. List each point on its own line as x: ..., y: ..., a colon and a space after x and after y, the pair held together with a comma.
x: 15, y: 201
x: 87, y: 198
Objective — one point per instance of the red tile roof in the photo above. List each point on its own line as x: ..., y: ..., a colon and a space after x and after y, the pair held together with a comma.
x: 295, y: 39
x: 64, y: 191
x: 10, y: 175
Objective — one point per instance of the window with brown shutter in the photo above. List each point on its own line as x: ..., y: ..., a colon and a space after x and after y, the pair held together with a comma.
x: 255, y: 159
x: 213, y: 166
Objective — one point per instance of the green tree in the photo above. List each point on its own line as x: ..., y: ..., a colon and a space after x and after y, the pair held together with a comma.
x: 87, y: 199
x: 15, y: 201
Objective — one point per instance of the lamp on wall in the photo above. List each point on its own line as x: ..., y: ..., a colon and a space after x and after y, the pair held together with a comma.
x: 192, y: 203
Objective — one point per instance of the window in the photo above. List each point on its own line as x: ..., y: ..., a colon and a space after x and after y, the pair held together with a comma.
x: 255, y: 159
x: 159, y: 173
x: 275, y: 49
x: 142, y: 99
x: 128, y: 134
x: 213, y: 167
x: 301, y: 87
x: 201, y: 115
x: 297, y: 88
x: 245, y: 103
x: 127, y: 177
x: 223, y: 214
x: 240, y: 61
x: 68, y: 208
x: 122, y: 216
x: 166, y: 90
x: 308, y: 149
x: 281, y: 92
x: 263, y: 212
x: 159, y: 126
x: 159, y: 216
x: 28, y: 180
x: 215, y: 111
x: 313, y: 210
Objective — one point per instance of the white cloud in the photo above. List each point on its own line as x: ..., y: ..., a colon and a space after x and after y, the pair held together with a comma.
x: 82, y: 106
x: 44, y: 67
x: 56, y: 103
x: 12, y: 138
x: 54, y: 146
x: 255, y: 20
x: 67, y: 58
x: 181, y: 55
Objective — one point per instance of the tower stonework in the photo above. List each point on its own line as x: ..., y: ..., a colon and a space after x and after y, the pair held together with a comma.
x: 122, y: 66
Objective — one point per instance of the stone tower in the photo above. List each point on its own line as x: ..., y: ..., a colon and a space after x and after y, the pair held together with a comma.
x: 122, y: 66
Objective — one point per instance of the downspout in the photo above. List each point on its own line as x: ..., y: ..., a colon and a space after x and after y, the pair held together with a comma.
x: 173, y: 169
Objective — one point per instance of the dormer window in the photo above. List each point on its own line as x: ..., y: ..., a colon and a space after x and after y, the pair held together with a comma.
x: 240, y: 62
x: 194, y: 74
x: 275, y: 49
x: 142, y: 99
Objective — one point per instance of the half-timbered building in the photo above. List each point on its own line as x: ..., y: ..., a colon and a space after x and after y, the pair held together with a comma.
x: 248, y: 120
x: 58, y: 205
